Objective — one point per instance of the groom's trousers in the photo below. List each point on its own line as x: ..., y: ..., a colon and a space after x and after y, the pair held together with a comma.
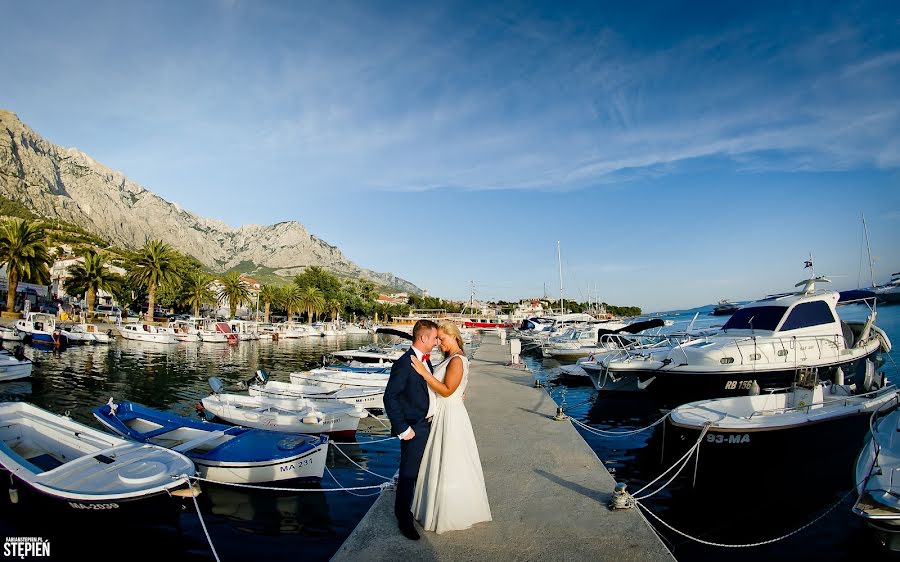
x: 411, y: 453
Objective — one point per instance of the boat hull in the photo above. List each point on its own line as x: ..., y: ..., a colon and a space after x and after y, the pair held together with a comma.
x: 676, y: 387
x: 309, y: 465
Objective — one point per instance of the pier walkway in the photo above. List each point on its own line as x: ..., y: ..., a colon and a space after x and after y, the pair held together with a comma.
x: 547, y: 488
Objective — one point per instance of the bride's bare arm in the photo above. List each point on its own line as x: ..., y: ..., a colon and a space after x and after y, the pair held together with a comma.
x: 451, y: 379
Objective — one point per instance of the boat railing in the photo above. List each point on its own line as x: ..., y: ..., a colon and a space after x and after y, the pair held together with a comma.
x: 793, y: 343
x: 831, y: 402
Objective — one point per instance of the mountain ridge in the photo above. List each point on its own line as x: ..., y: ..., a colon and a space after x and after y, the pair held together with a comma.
x: 68, y: 184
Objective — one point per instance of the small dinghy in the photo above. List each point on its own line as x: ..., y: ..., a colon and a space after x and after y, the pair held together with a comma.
x: 222, y: 453
x: 83, y: 469
x: 362, y: 396
x: 14, y: 365
x: 795, y: 427
x: 331, y: 379
x: 293, y: 415
x: 877, y: 478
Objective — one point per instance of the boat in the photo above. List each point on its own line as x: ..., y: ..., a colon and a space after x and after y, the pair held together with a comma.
x: 285, y: 414
x: 10, y: 334
x: 890, y: 291
x: 364, y: 397
x: 83, y: 470
x: 370, y: 355
x: 40, y: 328
x: 763, y: 344
x: 244, y: 329
x: 216, y: 332
x: 487, y: 324
x: 589, y: 340
x: 332, y: 379
x: 724, y: 308
x: 743, y: 434
x: 221, y: 453
x: 84, y: 333
x: 147, y: 333
x: 14, y: 366
x: 185, y: 330
x: 875, y: 477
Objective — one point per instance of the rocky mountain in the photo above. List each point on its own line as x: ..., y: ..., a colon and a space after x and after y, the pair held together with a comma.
x: 67, y: 184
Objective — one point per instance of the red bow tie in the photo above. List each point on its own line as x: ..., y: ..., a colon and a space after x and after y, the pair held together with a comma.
x: 426, y: 357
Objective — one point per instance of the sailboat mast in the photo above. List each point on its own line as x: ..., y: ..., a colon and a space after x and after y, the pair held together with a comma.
x: 869, y: 250
x: 559, y: 262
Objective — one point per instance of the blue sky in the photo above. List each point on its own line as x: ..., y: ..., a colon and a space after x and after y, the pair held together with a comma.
x: 680, y: 152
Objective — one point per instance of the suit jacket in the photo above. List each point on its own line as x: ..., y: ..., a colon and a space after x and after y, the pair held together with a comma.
x: 406, y: 395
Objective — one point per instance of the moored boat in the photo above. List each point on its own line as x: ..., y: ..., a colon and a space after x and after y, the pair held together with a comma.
x: 14, y: 366
x: 147, y: 333
x: 40, y: 328
x: 331, y: 379
x: 364, y: 397
x: 85, y: 470
x: 875, y: 478
x: 290, y: 415
x: 221, y: 453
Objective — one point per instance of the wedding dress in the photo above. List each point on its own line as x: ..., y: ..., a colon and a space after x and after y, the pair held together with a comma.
x: 450, y: 493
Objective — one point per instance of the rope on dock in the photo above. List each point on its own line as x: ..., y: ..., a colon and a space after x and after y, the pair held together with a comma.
x: 608, y: 433
x: 356, y: 465
x: 748, y: 545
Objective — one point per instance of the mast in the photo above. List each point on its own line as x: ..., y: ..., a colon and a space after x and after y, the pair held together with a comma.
x: 559, y: 262
x: 869, y: 250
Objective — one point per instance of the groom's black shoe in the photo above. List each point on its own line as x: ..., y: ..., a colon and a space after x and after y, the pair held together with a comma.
x: 408, y: 531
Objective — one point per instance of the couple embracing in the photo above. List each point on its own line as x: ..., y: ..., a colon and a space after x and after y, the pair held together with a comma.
x: 441, y: 483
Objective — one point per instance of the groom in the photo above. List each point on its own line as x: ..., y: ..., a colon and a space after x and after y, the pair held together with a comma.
x: 409, y: 404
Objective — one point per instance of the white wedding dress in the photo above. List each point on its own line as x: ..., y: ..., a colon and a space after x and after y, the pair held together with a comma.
x: 450, y: 493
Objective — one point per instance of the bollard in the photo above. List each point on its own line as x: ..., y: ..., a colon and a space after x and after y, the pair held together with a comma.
x: 620, y: 497
x: 560, y: 415
x: 515, y: 348
x: 502, y: 334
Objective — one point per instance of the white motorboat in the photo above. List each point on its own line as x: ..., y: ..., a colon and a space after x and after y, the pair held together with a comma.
x: 876, y: 477
x: 85, y: 470
x: 185, y: 330
x: 290, y: 415
x: 147, y: 333
x: 331, y: 379
x: 244, y: 329
x: 764, y: 342
x: 361, y: 396
x: 890, y: 291
x: 83, y: 334
x: 10, y: 334
x: 40, y: 328
x: 216, y: 332
x: 14, y: 366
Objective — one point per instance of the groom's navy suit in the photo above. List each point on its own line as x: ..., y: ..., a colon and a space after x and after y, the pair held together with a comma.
x: 406, y: 403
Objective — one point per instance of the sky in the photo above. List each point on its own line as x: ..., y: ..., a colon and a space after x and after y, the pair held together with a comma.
x: 679, y: 152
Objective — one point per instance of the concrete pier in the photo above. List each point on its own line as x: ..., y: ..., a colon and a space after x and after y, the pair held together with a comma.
x: 547, y: 488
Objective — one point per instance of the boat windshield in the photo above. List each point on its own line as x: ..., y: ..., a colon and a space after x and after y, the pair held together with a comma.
x: 755, y: 318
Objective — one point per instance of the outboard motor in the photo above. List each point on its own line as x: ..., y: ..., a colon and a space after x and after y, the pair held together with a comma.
x: 216, y: 384
x: 19, y: 352
x: 262, y: 376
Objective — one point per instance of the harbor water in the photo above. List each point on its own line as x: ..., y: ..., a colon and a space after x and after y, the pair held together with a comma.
x: 252, y: 524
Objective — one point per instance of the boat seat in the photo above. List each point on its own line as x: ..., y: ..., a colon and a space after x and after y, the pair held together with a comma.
x: 194, y: 443
x: 847, y: 332
x: 45, y: 462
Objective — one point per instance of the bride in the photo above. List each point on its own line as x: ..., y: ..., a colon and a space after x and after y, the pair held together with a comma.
x: 450, y: 493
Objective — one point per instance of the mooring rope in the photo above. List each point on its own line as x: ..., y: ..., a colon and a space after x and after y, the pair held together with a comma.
x: 357, y: 465
x: 348, y: 489
x: 608, y: 433
x: 382, y: 486
x: 748, y: 545
x: 391, y: 438
x: 200, y: 517
x: 685, y: 458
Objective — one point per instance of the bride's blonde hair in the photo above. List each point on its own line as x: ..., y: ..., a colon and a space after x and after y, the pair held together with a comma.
x: 452, y: 329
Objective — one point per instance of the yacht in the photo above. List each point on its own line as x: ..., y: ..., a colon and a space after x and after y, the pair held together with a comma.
x: 763, y: 344
x: 890, y: 291
x: 147, y: 333
x: 724, y: 308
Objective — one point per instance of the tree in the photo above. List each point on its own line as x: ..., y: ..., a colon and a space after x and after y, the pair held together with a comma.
x: 291, y: 300
x: 25, y: 255
x: 91, y: 276
x: 154, y: 266
x: 317, y: 277
x: 267, y: 294
x: 334, y: 306
x: 196, y: 291
x: 312, y: 300
x: 234, y: 290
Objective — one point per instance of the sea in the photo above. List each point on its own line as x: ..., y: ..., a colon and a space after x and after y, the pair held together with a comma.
x: 312, y: 523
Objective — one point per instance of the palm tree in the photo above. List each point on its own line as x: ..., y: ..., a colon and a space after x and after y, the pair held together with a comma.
x: 23, y: 252
x: 153, y: 266
x: 291, y: 299
x: 334, y: 306
x: 268, y: 294
x: 234, y: 290
x: 312, y: 300
x: 90, y: 277
x: 196, y: 291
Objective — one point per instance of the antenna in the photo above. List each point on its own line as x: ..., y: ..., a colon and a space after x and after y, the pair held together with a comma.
x: 868, y: 249
x: 559, y: 261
